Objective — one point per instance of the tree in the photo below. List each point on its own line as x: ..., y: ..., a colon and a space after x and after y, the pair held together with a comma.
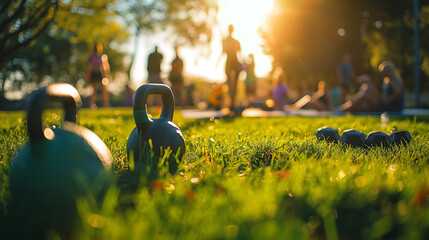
x: 389, y: 36
x: 20, y: 23
x: 187, y: 21
x: 60, y: 52
x: 308, y: 37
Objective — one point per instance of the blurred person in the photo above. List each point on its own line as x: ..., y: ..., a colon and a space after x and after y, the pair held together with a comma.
x: 129, y: 96
x: 154, y: 66
x: 345, y: 76
x: 365, y: 100
x: 154, y: 73
x: 190, y: 95
x: 392, y: 99
x: 216, y: 96
x: 176, y: 78
x: 335, y: 95
x: 98, y: 74
x: 231, y: 47
x: 250, y: 80
x: 320, y: 100
x: 280, y: 91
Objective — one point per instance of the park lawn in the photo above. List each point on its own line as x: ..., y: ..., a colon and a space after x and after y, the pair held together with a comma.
x: 252, y: 178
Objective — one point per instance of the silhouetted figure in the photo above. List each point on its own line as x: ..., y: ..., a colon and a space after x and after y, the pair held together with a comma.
x: 250, y: 80
x: 97, y: 74
x: 190, y: 95
x: 280, y: 91
x: 129, y: 96
x: 345, y: 76
x: 231, y: 47
x: 335, y: 96
x: 176, y: 78
x: 154, y: 66
x: 216, y: 96
x: 392, y: 99
x: 320, y: 100
x: 154, y: 74
x: 365, y: 100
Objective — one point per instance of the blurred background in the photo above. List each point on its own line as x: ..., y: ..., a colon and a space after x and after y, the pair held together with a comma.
x: 51, y: 40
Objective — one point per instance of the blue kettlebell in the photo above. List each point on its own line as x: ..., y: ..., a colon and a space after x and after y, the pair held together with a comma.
x: 155, y: 134
x: 55, y: 168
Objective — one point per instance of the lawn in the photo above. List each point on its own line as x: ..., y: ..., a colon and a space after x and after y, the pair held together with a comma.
x: 250, y: 178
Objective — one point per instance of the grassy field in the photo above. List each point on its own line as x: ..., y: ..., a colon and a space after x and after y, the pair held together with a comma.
x: 262, y: 178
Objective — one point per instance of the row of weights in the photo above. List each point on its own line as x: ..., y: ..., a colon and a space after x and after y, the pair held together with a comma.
x: 58, y: 166
x: 355, y: 138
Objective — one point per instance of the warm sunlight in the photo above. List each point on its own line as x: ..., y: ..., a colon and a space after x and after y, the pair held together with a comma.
x: 245, y: 15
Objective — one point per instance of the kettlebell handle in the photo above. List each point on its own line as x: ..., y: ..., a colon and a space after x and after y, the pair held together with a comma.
x: 140, y: 99
x: 57, y: 92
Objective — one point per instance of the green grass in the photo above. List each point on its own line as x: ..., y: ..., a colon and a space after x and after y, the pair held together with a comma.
x: 262, y: 178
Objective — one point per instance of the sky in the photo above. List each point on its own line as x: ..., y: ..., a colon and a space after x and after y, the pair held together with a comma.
x: 245, y: 15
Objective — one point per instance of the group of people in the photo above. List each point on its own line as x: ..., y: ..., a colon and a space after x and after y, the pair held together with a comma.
x: 175, y: 77
x: 367, y: 99
x: 98, y: 74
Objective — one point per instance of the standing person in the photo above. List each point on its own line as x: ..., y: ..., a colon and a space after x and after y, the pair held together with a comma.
x: 231, y: 47
x: 280, y: 91
x: 250, y: 80
x: 176, y: 78
x: 97, y: 74
x: 154, y: 73
x: 392, y: 99
x: 154, y: 66
x: 345, y: 76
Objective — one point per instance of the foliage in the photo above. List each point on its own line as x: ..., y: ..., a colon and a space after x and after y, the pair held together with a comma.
x: 183, y: 21
x: 304, y: 37
x: 307, y: 190
x: 20, y: 23
x: 60, y: 53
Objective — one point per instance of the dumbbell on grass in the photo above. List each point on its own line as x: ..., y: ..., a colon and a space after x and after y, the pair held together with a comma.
x: 353, y: 138
x: 398, y: 137
x: 328, y: 134
x: 377, y: 139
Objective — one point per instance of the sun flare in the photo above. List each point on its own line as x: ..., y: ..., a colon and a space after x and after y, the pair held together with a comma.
x: 246, y: 16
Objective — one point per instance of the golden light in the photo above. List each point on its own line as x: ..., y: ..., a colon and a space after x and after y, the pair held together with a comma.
x: 49, y: 134
x: 247, y: 16
x: 105, y: 81
x: 269, y: 103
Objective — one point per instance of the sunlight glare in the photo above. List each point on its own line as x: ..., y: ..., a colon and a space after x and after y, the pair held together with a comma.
x: 247, y: 16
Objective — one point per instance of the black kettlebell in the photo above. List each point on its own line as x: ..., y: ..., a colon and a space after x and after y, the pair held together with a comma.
x: 56, y: 167
x: 155, y: 135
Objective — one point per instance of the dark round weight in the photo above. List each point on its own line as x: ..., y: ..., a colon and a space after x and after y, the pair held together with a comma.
x: 328, y: 134
x: 353, y: 138
x: 56, y: 167
x: 400, y: 137
x: 377, y: 139
x: 155, y: 135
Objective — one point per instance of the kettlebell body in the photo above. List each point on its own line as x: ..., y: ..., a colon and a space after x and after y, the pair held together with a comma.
x: 155, y: 135
x: 56, y: 167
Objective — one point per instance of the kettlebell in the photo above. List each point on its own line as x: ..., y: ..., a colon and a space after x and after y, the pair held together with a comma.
x: 155, y: 134
x: 56, y: 167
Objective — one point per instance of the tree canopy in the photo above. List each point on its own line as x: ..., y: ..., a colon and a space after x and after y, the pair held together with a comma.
x: 62, y: 34
x: 308, y: 37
